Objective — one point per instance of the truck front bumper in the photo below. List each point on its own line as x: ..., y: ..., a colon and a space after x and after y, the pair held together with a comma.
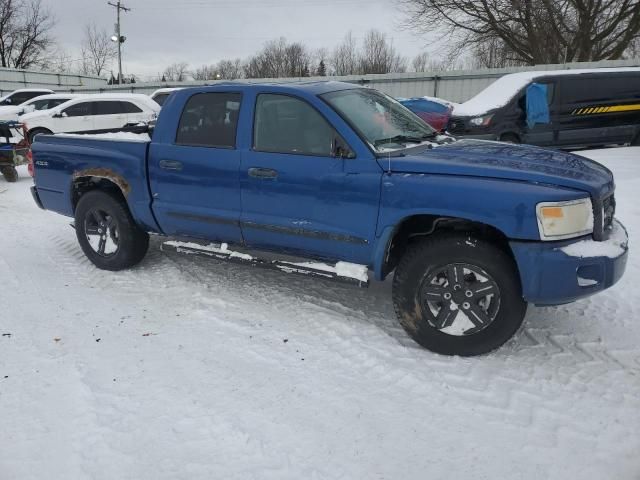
x: 553, y: 273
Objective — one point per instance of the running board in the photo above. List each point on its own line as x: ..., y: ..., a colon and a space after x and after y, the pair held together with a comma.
x: 341, y: 272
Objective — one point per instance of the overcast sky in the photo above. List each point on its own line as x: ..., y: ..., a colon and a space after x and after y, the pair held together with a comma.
x: 160, y: 32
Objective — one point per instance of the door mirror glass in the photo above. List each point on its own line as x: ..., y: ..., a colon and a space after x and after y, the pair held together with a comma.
x: 339, y: 149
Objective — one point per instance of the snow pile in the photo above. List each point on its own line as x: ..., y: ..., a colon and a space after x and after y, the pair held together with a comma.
x: 342, y: 269
x: 113, y: 136
x: 613, y: 247
x: 500, y: 92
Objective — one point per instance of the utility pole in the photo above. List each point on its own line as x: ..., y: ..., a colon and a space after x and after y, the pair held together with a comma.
x: 118, y: 36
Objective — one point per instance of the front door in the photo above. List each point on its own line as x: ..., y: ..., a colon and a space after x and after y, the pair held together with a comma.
x: 194, y: 178
x: 302, y: 194
x: 77, y: 118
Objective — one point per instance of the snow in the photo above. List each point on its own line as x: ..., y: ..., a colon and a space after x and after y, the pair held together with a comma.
x: 112, y: 136
x: 342, y: 269
x: 613, y: 247
x: 183, y: 247
x: 500, y: 92
x: 188, y: 367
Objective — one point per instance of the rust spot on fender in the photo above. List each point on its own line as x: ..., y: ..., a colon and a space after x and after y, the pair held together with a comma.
x: 108, y: 174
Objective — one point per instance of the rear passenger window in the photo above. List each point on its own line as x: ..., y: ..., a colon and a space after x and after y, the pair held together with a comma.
x: 210, y: 120
x: 108, y: 108
x: 79, y: 110
x: 128, y: 107
x: 286, y: 124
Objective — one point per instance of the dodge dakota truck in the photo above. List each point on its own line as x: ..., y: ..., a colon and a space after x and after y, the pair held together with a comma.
x: 472, y: 230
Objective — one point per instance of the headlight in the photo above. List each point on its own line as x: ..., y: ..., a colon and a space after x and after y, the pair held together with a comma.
x: 481, y: 121
x: 559, y: 220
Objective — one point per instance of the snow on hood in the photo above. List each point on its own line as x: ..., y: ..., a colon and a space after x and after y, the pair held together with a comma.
x: 480, y: 158
x: 500, y: 92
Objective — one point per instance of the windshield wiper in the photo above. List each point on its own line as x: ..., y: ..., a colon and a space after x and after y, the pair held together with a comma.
x: 402, y: 139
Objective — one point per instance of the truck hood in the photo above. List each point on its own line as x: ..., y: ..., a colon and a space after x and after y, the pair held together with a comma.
x: 479, y: 158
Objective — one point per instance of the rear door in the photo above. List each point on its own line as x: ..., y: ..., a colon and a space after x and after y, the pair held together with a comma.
x: 194, y: 175
x: 599, y: 109
x: 109, y: 115
x: 297, y: 195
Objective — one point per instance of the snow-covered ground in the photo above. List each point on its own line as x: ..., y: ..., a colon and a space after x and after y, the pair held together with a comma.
x: 186, y: 368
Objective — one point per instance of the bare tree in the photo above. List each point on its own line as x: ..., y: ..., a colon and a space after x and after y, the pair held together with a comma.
x: 223, y: 70
x: 345, y: 57
x: 97, y: 50
x: 176, y: 72
x: 379, y: 56
x: 534, y: 31
x: 230, y: 69
x: 25, y: 33
x: 279, y: 59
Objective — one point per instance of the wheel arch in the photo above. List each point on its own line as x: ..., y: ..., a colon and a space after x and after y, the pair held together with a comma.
x: 410, y: 229
x: 98, y: 179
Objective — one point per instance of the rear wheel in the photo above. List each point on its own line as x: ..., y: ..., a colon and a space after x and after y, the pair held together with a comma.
x: 9, y: 173
x: 107, y: 233
x: 457, y: 295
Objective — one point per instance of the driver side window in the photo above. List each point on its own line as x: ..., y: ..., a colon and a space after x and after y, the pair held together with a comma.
x: 285, y: 124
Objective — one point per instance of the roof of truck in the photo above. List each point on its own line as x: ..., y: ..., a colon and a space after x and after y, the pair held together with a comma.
x: 313, y: 87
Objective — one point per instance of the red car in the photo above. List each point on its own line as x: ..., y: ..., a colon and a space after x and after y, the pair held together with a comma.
x: 434, y: 111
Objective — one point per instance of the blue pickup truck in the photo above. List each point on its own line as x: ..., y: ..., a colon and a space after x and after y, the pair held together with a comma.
x: 473, y: 230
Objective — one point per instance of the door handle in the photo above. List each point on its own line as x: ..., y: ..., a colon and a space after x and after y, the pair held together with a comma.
x: 170, y: 165
x: 263, y: 173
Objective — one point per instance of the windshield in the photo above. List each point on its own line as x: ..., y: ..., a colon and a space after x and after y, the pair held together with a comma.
x: 383, y: 122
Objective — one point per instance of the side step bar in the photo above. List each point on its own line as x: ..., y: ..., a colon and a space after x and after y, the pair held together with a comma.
x: 221, y: 252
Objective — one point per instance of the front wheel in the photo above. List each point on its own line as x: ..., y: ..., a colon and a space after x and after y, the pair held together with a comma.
x: 457, y: 295
x: 107, y: 233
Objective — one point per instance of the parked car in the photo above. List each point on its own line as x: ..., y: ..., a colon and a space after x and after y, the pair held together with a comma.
x: 92, y: 114
x: 561, y: 108
x: 434, y: 111
x: 161, y: 95
x: 20, y: 96
x: 42, y: 102
x: 473, y: 230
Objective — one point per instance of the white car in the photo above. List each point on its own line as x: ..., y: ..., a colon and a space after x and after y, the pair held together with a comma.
x: 100, y: 113
x: 43, y: 102
x: 20, y: 96
x: 161, y: 95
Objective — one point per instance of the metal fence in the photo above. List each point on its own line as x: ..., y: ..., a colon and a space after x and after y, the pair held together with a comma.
x: 456, y: 86
x: 12, y: 79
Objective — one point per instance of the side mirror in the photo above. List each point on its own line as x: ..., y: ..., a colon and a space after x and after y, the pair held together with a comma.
x: 339, y: 149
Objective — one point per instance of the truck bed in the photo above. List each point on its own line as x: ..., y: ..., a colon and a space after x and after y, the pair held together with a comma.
x: 60, y: 160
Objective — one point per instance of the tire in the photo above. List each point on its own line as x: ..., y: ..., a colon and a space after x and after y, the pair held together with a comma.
x: 510, y: 138
x: 37, y: 131
x: 10, y: 174
x: 107, y: 233
x: 422, y: 283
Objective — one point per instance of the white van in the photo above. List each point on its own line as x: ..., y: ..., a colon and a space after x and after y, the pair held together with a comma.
x: 100, y: 113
